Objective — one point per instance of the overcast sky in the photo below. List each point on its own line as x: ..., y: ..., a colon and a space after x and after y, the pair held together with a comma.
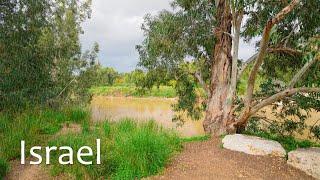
x: 116, y: 26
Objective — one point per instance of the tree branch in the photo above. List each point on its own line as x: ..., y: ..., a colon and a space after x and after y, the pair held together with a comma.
x: 281, y: 95
x: 263, y: 50
x: 268, y: 101
x: 286, y: 39
x: 246, y: 64
x: 302, y: 71
x: 236, y: 19
x: 202, y: 83
x: 292, y: 52
x: 285, y: 50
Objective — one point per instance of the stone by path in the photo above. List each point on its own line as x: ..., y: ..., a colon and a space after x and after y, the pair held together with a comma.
x: 253, y: 145
x: 308, y: 160
x: 208, y: 160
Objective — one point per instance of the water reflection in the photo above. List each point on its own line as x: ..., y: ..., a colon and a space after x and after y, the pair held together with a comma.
x: 142, y: 109
x: 159, y: 109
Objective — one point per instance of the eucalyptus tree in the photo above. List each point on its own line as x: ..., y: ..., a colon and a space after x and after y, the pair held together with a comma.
x: 40, y: 51
x: 22, y: 64
x: 198, y: 41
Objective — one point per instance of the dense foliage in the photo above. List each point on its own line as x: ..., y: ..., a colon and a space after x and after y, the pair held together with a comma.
x: 40, y: 53
x: 180, y: 44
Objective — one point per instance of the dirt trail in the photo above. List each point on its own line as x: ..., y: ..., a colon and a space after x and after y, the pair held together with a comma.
x: 207, y: 160
x: 26, y: 172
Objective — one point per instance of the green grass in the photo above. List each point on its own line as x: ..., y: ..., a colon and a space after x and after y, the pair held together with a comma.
x: 196, y: 138
x: 35, y: 127
x: 4, y: 168
x: 131, y: 90
x: 129, y: 150
x: 289, y: 143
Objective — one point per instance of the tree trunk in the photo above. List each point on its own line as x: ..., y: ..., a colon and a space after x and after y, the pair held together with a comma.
x: 218, y: 113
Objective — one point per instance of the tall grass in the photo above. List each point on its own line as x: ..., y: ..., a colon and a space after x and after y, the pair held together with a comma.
x: 4, y: 168
x: 35, y: 127
x: 128, y: 150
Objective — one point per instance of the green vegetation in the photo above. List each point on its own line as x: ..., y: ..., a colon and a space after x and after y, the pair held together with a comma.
x: 131, y: 90
x: 41, y: 62
x: 289, y: 143
x: 186, y: 45
x: 196, y: 138
x: 128, y: 151
x: 4, y: 168
x: 35, y: 127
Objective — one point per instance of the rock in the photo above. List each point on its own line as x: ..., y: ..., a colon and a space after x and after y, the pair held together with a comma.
x: 253, y: 145
x: 307, y: 160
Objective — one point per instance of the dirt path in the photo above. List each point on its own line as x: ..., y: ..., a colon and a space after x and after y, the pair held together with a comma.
x: 207, y: 160
x: 26, y: 172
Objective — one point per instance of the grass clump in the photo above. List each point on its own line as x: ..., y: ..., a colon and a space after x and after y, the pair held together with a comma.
x: 4, y: 168
x: 196, y: 138
x: 129, y: 150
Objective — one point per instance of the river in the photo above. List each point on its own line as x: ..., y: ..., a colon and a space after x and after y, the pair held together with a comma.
x: 160, y: 109
x: 142, y: 109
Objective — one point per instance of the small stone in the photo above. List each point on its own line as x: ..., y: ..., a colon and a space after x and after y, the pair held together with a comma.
x: 253, y: 145
x: 307, y: 160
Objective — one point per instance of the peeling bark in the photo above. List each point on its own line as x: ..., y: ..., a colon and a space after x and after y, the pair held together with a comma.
x: 216, y: 117
x: 219, y: 117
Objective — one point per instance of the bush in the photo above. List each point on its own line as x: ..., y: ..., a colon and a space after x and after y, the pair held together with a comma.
x: 4, y: 168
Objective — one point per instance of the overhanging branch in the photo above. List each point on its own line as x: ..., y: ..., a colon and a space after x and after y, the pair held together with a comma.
x: 289, y: 51
x: 268, y: 101
x: 263, y: 49
x: 276, y: 97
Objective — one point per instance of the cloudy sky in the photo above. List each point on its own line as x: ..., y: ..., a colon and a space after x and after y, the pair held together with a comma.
x: 116, y: 26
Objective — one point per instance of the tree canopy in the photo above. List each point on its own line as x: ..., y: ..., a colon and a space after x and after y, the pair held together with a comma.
x: 183, y: 43
x: 40, y: 52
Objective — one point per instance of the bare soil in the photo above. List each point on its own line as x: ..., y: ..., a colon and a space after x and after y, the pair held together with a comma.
x: 26, y: 172
x: 208, y: 160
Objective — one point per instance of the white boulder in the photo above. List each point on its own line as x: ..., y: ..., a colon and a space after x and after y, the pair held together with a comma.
x: 307, y: 160
x: 253, y: 145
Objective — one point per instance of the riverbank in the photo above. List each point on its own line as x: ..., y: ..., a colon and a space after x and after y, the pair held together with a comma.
x: 123, y: 90
x: 128, y: 149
